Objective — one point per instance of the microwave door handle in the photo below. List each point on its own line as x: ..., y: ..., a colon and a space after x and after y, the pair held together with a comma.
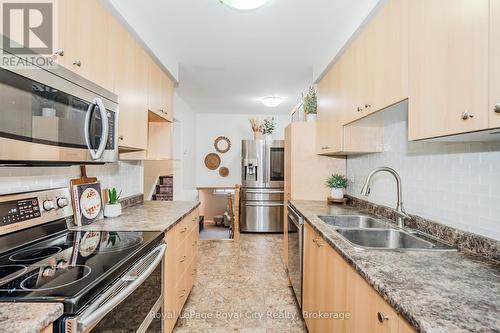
x: 85, y: 322
x: 104, y: 129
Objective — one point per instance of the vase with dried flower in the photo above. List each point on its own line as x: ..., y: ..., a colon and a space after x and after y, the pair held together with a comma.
x: 256, y: 128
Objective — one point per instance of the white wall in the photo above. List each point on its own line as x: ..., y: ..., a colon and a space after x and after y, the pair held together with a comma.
x: 451, y: 183
x: 125, y: 176
x: 209, y: 126
x: 184, y: 151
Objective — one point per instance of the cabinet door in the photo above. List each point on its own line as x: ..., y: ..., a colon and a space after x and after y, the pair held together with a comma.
x: 167, y: 96
x: 448, y: 67
x: 385, y: 50
x: 325, y: 101
x: 154, y: 87
x: 310, y: 287
x: 86, y: 41
x: 369, y: 312
x: 494, y: 107
x: 131, y: 81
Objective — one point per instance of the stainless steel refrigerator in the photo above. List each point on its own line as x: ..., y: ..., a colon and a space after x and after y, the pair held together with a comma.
x: 263, y: 175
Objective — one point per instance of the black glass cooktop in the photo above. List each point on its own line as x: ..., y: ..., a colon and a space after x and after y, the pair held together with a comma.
x: 72, y: 267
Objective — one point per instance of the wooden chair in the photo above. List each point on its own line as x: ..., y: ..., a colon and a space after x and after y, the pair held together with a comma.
x: 234, y: 212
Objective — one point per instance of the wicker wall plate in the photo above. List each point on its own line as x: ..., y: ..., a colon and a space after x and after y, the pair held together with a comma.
x: 222, y: 144
x: 212, y: 161
x: 224, y: 172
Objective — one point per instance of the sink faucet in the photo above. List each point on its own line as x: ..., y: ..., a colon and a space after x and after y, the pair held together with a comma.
x: 400, y: 210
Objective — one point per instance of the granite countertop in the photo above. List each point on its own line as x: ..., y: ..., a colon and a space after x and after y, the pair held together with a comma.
x: 148, y: 216
x: 28, y: 317
x: 434, y: 291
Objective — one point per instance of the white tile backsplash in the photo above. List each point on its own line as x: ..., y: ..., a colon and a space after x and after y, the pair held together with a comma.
x: 451, y: 183
x: 127, y: 176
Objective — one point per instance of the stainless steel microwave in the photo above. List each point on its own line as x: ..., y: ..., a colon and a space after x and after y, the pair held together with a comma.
x: 54, y: 116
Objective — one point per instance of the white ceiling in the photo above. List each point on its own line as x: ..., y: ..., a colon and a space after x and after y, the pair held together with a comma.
x: 225, y: 59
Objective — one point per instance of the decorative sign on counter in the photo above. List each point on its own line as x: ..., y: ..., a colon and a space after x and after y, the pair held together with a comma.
x: 88, y: 203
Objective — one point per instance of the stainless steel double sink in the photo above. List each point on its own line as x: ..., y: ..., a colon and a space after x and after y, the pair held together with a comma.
x: 368, y: 232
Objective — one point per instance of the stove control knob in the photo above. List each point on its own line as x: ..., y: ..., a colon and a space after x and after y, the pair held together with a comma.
x: 48, y: 205
x: 48, y: 271
x: 62, y: 202
x: 62, y: 264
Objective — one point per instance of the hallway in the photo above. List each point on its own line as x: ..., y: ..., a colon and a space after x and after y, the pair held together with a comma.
x: 241, y: 287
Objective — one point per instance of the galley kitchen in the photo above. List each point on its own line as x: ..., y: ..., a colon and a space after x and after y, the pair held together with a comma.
x: 267, y: 166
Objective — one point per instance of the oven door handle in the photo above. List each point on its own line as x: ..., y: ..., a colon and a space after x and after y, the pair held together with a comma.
x: 104, y: 130
x: 90, y: 317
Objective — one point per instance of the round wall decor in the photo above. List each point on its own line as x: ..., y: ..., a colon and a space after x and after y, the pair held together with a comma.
x: 212, y: 161
x: 224, y: 172
x: 222, y: 144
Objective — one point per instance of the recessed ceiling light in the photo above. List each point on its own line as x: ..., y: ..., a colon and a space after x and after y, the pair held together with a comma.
x: 244, y: 4
x: 272, y: 101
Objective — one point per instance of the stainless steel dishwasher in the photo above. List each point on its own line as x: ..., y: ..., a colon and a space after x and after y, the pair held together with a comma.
x: 295, y: 251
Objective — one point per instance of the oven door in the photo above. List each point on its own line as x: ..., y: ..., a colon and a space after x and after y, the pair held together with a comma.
x: 55, y: 121
x: 132, y: 304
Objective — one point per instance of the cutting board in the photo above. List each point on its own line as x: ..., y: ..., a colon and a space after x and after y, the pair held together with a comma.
x: 87, y: 198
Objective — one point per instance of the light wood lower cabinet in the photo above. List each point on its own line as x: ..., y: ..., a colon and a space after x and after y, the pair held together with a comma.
x: 180, y: 267
x: 337, y: 299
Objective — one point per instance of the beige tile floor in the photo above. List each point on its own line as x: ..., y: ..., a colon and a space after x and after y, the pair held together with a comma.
x: 241, y: 287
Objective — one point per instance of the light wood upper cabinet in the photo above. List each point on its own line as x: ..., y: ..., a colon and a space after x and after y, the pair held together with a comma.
x: 494, y: 105
x: 131, y: 83
x: 87, y: 41
x: 160, y: 92
x: 448, y: 67
x: 301, y: 159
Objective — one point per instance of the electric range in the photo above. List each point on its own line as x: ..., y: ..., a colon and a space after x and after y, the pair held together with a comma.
x: 92, y: 273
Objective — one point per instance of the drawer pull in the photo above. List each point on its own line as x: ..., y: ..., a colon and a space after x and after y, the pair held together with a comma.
x: 497, y: 108
x: 381, y: 317
x: 184, y: 229
x: 183, y: 258
x: 183, y: 293
x: 195, y: 242
x: 467, y: 115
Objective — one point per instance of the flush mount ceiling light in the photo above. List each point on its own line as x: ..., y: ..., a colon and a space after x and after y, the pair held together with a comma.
x: 272, y: 101
x: 244, y: 4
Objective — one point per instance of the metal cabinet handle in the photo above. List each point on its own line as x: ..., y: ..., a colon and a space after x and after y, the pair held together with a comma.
x: 381, y: 317
x: 359, y: 109
x: 183, y: 293
x: 466, y: 115
x: 193, y: 272
x: 59, y: 52
x: 120, y: 137
x: 77, y: 63
x: 194, y: 243
x: 183, y: 258
x: 184, y: 229
x: 317, y: 242
x: 368, y: 106
x: 497, y: 108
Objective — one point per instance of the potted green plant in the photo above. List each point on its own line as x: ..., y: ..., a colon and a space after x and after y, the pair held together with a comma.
x: 268, y: 127
x: 113, y: 207
x: 337, y: 183
x: 310, y: 105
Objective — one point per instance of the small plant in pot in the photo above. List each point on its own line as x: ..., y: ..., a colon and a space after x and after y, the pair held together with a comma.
x: 268, y: 126
x: 113, y: 207
x: 310, y: 105
x: 337, y: 183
